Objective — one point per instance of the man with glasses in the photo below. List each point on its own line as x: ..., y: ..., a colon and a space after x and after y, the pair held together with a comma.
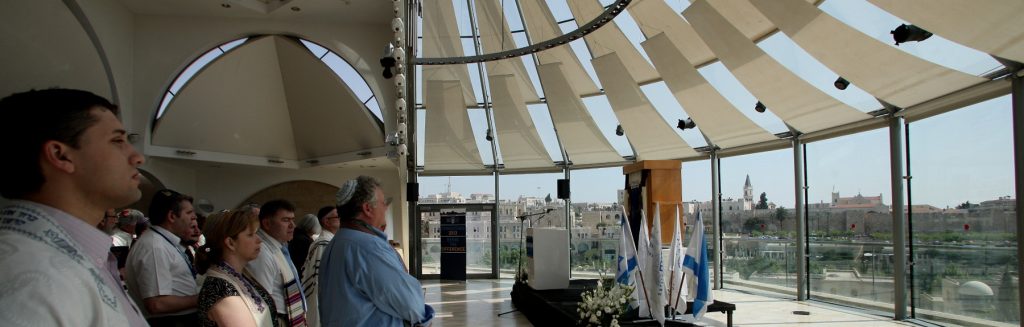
x: 362, y: 280
x: 329, y: 223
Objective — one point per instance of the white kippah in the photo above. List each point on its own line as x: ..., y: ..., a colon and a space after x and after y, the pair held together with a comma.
x: 346, y: 191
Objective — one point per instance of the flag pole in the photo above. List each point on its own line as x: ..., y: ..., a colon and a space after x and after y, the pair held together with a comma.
x: 680, y: 291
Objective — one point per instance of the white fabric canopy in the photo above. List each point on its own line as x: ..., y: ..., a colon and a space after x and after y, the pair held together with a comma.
x: 648, y: 132
x: 495, y: 37
x: 449, y: 136
x: 883, y: 71
x: 580, y: 135
x: 518, y: 140
x: 789, y: 97
x: 541, y: 26
x: 716, y: 117
x: 609, y: 39
x: 441, y: 39
x: 991, y: 26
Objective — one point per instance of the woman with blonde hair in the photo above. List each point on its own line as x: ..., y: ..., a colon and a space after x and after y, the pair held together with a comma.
x: 230, y: 296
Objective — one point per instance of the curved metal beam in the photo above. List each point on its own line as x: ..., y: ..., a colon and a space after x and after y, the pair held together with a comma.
x: 613, y: 10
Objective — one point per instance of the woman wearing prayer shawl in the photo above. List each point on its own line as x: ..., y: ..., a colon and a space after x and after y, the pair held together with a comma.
x: 230, y: 296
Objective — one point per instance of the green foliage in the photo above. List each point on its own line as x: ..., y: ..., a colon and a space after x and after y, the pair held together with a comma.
x: 748, y: 267
x: 763, y: 202
x: 752, y: 224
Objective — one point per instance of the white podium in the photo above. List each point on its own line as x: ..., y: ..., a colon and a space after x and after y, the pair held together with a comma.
x: 547, y: 252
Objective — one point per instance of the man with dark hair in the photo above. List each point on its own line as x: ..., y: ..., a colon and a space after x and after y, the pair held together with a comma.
x: 362, y: 280
x: 67, y: 160
x: 273, y: 268
x: 329, y: 223
x: 161, y: 278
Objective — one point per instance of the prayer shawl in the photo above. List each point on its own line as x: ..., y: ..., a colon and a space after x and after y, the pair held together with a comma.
x: 48, y: 280
x: 262, y: 318
x: 294, y: 303
x: 310, y: 273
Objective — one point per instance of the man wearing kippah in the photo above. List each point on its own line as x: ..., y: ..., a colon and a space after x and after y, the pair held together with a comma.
x: 362, y: 280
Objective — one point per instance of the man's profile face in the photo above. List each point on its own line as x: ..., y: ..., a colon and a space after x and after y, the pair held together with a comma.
x: 184, y: 220
x: 105, y: 164
x: 281, y: 226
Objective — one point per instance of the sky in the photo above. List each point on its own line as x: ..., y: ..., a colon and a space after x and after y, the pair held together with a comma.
x: 963, y: 155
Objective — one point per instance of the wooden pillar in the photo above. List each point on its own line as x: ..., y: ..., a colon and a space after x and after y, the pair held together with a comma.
x: 662, y: 183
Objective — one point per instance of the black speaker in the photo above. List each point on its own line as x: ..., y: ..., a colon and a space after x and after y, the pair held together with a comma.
x: 563, y: 189
x: 412, y: 192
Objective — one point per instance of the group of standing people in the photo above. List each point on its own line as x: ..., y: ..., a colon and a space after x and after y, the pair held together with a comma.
x: 70, y: 161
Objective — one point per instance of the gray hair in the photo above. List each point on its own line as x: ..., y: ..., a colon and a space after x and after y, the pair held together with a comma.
x: 129, y: 217
x: 309, y: 224
x: 364, y: 193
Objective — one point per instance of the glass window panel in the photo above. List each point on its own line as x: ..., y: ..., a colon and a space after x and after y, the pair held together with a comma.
x: 457, y: 190
x: 851, y: 253
x: 231, y: 45
x: 316, y: 49
x: 662, y: 99
x: 478, y: 122
x: 963, y: 218
x: 596, y: 214
x: 525, y: 195
x: 759, y: 236
x: 545, y: 129
x: 606, y: 121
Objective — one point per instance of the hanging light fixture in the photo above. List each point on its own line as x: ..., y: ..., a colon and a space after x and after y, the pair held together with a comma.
x: 841, y: 83
x: 619, y: 131
x: 908, y: 33
x: 685, y: 124
x: 760, y: 107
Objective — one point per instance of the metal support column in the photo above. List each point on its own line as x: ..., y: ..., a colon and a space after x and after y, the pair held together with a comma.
x: 411, y: 15
x: 716, y: 220
x: 568, y: 221
x: 899, y: 224
x: 1018, y: 161
x: 801, y: 220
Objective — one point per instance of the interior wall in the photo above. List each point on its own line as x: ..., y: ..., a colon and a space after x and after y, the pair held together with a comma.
x: 114, y: 26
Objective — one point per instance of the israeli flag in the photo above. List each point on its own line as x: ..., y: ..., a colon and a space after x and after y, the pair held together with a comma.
x: 695, y: 264
x: 627, y: 262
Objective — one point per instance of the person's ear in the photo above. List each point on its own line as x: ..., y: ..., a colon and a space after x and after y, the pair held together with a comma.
x: 56, y: 154
x: 229, y: 243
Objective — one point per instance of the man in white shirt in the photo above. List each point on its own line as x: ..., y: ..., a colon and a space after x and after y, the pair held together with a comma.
x: 274, y: 269
x: 160, y: 277
x: 67, y: 159
x: 329, y: 222
x: 125, y: 232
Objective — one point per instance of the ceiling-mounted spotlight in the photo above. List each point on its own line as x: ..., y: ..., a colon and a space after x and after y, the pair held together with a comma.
x: 489, y: 136
x: 619, y: 131
x: 388, y: 61
x: 760, y: 107
x: 907, y: 33
x: 685, y: 123
x: 841, y: 83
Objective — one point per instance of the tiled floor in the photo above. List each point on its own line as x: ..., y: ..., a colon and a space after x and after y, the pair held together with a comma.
x: 477, y: 303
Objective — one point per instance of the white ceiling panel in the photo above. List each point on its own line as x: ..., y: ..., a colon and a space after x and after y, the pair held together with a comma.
x: 541, y: 26
x: 441, y: 39
x: 496, y: 37
x: 609, y: 39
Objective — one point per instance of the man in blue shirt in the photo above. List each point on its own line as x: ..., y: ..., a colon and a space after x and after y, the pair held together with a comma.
x: 362, y: 280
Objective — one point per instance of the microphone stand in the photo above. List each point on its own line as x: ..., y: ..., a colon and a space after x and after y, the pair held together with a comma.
x: 519, y: 258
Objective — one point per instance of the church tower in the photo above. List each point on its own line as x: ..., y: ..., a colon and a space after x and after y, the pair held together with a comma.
x: 748, y: 191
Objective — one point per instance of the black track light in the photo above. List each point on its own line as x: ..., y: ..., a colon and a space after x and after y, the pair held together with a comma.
x: 619, y: 131
x: 489, y: 136
x: 907, y: 33
x: 841, y: 83
x: 760, y: 107
x: 685, y: 123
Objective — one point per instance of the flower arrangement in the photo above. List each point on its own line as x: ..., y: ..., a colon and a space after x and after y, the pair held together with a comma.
x: 603, y: 305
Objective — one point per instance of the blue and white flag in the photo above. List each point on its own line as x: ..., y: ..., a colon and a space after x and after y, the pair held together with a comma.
x: 656, y: 283
x: 695, y: 264
x: 676, y: 292
x: 626, y: 274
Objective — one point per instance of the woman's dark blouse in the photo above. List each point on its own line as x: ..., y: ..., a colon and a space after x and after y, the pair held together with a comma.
x: 214, y: 289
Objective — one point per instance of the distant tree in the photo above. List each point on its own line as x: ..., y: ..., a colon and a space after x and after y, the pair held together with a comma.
x: 780, y: 216
x: 763, y: 203
x: 965, y: 205
x: 752, y: 224
x: 548, y: 198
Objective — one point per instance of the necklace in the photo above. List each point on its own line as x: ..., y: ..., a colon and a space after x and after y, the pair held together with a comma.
x: 248, y: 286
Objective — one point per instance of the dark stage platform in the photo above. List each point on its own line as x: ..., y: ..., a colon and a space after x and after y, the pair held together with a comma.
x: 558, y: 307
